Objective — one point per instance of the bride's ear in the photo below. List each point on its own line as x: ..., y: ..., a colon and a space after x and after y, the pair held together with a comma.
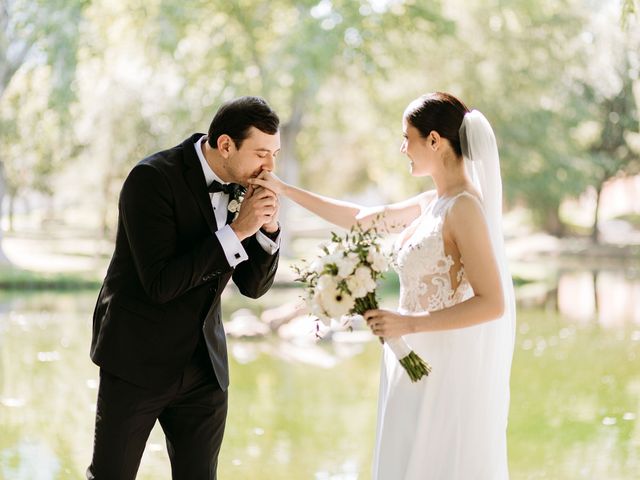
x: 433, y: 140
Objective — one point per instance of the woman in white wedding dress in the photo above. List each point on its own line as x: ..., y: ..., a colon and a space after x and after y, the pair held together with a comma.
x: 456, y: 300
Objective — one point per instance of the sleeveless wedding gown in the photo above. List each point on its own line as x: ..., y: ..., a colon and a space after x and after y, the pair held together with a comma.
x: 450, y: 425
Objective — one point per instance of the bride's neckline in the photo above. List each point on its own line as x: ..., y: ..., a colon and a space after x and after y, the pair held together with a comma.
x: 411, y: 230
x: 452, y: 195
x: 456, y: 195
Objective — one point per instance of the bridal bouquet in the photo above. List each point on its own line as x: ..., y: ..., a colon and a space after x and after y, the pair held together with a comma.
x: 343, y: 282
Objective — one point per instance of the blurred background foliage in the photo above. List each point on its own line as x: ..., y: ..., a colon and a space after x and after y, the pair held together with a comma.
x: 89, y: 87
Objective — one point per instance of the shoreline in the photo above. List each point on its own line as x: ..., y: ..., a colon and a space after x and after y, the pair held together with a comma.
x: 65, y: 262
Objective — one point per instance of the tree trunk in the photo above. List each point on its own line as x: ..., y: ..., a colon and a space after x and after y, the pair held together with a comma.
x: 552, y: 222
x: 106, y: 199
x: 12, y: 201
x: 595, y: 231
x: 4, y: 260
x: 289, y: 169
x: 7, y: 71
x: 595, y: 293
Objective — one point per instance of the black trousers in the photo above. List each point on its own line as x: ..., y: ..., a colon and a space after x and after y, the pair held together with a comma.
x: 192, y: 413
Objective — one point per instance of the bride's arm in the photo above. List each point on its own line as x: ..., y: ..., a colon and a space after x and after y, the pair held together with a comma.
x: 471, y: 235
x: 392, y: 218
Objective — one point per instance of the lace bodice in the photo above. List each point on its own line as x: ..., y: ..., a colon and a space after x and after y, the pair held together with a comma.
x: 422, y: 265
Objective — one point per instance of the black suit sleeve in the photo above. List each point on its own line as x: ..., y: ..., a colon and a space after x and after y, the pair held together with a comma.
x: 255, y: 276
x: 147, y: 210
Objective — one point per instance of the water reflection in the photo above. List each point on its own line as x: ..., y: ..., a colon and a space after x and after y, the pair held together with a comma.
x: 612, y: 297
x: 306, y: 410
x: 297, y: 408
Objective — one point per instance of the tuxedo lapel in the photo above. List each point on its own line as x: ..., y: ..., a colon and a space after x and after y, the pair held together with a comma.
x: 194, y: 176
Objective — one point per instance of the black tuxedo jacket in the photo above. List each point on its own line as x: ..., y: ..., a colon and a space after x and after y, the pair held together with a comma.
x: 163, y: 285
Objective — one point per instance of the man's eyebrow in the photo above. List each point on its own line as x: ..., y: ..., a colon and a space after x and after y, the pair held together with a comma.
x: 265, y: 150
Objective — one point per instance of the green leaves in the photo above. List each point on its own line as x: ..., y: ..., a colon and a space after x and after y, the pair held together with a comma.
x: 339, y: 72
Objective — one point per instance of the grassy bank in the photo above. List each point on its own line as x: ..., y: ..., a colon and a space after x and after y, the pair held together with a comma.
x: 12, y: 278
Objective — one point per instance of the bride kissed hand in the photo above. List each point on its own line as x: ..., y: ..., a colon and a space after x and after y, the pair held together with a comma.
x: 269, y: 181
x: 395, y: 217
x: 387, y: 323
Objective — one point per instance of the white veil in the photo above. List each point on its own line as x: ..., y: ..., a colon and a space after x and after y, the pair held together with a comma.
x: 482, y: 163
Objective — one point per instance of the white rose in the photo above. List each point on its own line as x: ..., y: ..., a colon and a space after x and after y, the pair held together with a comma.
x: 347, y: 264
x: 317, y: 265
x: 357, y: 288
x: 332, y: 258
x: 233, y: 206
x: 327, y: 283
x: 334, y: 247
x: 365, y: 278
x: 377, y: 261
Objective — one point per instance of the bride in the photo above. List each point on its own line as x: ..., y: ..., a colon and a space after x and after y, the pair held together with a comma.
x: 456, y: 307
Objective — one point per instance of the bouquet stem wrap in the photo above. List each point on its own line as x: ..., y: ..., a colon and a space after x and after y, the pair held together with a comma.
x: 415, y: 367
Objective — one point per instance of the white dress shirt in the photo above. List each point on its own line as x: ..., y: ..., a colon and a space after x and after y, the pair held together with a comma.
x: 233, y: 249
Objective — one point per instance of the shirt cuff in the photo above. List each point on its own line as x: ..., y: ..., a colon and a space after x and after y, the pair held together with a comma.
x: 233, y: 249
x: 268, y: 245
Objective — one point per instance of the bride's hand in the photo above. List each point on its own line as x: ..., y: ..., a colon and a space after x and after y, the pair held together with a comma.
x: 269, y: 181
x: 385, y: 323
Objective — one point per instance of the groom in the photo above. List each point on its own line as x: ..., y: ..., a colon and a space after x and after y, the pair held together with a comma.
x: 157, y: 332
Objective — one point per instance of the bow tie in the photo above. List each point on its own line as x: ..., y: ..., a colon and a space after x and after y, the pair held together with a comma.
x: 231, y: 189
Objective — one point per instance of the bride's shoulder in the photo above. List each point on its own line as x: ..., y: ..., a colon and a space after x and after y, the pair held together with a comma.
x: 401, y: 214
x: 428, y: 195
x: 421, y: 200
x: 466, y: 209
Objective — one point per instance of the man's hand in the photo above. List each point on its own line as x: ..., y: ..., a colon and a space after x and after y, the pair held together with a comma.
x: 269, y: 181
x: 272, y: 226
x: 259, y: 208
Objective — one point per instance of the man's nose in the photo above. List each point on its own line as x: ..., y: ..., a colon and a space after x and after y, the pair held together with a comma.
x: 403, y: 147
x: 269, y: 163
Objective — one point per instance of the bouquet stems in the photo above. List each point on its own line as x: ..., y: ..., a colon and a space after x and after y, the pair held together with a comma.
x: 415, y: 366
x: 368, y: 302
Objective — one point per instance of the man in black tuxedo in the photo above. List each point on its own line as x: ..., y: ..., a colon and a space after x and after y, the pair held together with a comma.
x: 157, y: 332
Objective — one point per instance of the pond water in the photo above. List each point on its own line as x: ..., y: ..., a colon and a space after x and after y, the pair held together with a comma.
x: 304, y: 410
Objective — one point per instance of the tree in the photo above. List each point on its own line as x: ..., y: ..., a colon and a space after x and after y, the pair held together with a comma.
x: 32, y: 140
x: 287, y: 51
x: 511, y: 63
x: 606, y: 111
x: 629, y: 8
x: 610, y: 153
x: 35, y: 33
x: 339, y: 73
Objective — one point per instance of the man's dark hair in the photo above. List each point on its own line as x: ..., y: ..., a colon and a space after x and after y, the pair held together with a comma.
x: 237, y: 116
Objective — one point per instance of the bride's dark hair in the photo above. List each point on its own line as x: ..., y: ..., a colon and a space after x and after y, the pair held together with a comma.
x: 438, y: 111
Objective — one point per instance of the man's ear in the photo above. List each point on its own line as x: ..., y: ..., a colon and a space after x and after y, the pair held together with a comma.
x: 225, y: 145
